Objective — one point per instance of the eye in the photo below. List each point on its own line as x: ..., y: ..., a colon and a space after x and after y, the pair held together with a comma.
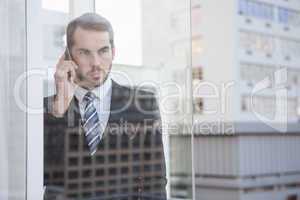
x: 105, y: 50
x: 84, y: 52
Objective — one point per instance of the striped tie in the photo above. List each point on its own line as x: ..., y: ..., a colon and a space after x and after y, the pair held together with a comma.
x: 91, y: 123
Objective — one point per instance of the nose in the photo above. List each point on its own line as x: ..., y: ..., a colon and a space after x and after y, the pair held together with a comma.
x: 96, y: 60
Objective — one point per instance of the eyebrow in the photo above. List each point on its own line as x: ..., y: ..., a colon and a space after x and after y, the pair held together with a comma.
x: 103, y: 48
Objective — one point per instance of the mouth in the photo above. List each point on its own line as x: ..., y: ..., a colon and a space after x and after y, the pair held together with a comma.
x: 96, y: 75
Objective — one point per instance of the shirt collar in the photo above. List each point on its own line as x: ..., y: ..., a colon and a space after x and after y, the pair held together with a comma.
x: 100, y: 91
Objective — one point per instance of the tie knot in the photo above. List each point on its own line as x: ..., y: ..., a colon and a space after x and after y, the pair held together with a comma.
x: 89, y: 96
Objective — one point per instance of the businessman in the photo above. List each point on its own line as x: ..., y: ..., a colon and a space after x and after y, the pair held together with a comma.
x: 102, y: 140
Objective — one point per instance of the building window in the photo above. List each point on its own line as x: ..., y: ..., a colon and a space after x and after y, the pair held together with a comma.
x: 124, y: 141
x: 157, y: 167
x: 136, y: 142
x: 73, y: 195
x: 136, y: 157
x: 147, y: 168
x: 86, y: 194
x: 112, y: 158
x: 99, y: 193
x: 73, y: 175
x: 124, y: 170
x: 112, y: 182
x: 99, y: 183
x: 100, y: 159
x: 124, y: 157
x: 113, y: 142
x: 112, y: 171
x: 99, y: 172
x: 124, y: 190
x: 87, y: 161
x: 58, y: 175
x: 158, y: 155
x: 73, y: 161
x: 147, y: 141
x: 136, y: 169
x: 86, y: 173
x: 124, y: 180
x: 112, y: 191
x: 147, y: 156
x: 73, y: 186
x: 86, y: 185
x: 73, y: 142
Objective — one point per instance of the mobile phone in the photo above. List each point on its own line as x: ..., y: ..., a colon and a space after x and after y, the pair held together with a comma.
x: 67, y: 54
x: 68, y: 57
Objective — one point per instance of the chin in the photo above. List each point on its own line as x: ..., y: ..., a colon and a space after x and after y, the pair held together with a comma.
x: 98, y: 82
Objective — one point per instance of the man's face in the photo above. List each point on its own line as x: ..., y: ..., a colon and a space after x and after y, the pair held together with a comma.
x: 93, y: 54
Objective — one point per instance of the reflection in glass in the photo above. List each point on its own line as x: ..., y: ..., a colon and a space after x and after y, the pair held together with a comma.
x: 130, y: 162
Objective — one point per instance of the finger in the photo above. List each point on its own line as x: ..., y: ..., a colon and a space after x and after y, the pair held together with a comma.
x: 74, y: 64
x: 61, y: 60
x: 62, y: 72
x: 66, y: 66
x: 70, y: 63
x: 73, y: 75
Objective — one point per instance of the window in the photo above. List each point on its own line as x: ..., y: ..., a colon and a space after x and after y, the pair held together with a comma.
x: 147, y: 156
x: 112, y: 158
x: 158, y: 155
x: 57, y: 5
x: 124, y: 180
x: 73, y: 174
x: 73, y: 161
x: 129, y: 34
x: 124, y: 170
x: 58, y: 175
x: 73, y: 195
x: 145, y: 56
x: 100, y: 159
x: 73, y: 186
x: 136, y: 142
x: 113, y: 142
x: 124, y: 157
x: 136, y: 157
x: 112, y: 182
x: 112, y: 171
x: 99, y: 183
x: 147, y: 168
x: 86, y: 173
x: 73, y: 142
x: 136, y: 169
x: 124, y: 141
x: 99, y: 172
x: 87, y: 161
x: 86, y: 194
x: 86, y: 185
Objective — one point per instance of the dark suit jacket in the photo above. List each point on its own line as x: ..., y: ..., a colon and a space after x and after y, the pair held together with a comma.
x: 129, y: 163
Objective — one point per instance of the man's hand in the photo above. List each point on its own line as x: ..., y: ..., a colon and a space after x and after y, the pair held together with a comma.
x: 65, y: 82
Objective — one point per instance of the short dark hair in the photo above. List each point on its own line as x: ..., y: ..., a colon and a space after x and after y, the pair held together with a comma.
x: 89, y: 21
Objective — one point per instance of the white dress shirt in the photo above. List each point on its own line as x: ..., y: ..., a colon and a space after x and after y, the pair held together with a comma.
x: 101, y: 103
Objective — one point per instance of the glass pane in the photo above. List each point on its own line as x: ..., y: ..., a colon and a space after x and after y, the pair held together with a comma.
x: 246, y: 99
x: 55, y: 17
x: 56, y: 5
x: 12, y: 117
x: 122, y: 135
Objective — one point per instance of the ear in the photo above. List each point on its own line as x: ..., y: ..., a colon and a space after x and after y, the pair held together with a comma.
x: 113, y: 51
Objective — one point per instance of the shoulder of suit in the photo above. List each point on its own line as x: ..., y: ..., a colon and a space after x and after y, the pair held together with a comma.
x: 124, y: 91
